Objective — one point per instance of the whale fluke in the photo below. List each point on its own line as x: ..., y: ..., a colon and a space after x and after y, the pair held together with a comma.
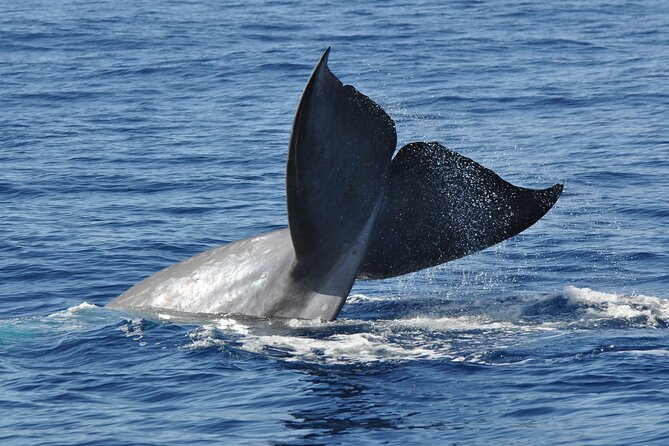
x: 442, y: 206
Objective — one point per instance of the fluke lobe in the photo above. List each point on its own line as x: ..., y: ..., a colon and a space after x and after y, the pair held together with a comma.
x: 354, y: 211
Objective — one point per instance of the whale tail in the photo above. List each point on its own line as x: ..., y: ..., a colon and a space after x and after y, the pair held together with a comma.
x: 354, y: 210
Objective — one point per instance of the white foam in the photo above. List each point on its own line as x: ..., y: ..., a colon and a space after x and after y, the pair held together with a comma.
x: 232, y: 325
x: 358, y: 298
x: 373, y: 341
x: 204, y: 337
x: 73, y: 310
x: 455, y: 324
x: 315, y: 323
x: 361, y: 347
x: 615, y: 306
x: 654, y: 352
x: 72, y: 318
x: 301, y: 323
x: 344, y: 348
x: 466, y: 338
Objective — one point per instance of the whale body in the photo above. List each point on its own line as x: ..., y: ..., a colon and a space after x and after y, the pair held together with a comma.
x: 354, y: 211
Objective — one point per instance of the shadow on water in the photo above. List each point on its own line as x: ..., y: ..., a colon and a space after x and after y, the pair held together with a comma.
x: 379, y: 401
x: 349, y: 407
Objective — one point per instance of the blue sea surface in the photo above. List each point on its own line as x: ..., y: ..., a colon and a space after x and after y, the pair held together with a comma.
x: 136, y: 134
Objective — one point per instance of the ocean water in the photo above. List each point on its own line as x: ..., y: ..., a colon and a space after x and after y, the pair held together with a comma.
x: 136, y: 134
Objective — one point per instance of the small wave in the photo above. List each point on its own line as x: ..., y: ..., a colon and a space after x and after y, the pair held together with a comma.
x: 204, y: 337
x: 355, y: 298
x: 233, y: 325
x: 352, y: 341
x: 638, y: 309
x: 133, y: 329
x: 76, y: 319
x: 478, y: 332
x: 483, y: 333
x: 457, y: 324
x: 358, y: 298
x: 73, y: 310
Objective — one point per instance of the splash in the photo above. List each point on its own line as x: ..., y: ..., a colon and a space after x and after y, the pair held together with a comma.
x: 480, y: 333
x: 458, y: 324
x: 71, y: 311
x: 452, y: 330
x: 639, y: 309
x: 345, y: 348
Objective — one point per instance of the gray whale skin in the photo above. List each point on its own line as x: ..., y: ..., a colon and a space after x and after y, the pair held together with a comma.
x: 354, y: 211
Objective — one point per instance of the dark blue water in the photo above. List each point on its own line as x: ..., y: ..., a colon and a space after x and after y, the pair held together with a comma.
x: 136, y: 134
